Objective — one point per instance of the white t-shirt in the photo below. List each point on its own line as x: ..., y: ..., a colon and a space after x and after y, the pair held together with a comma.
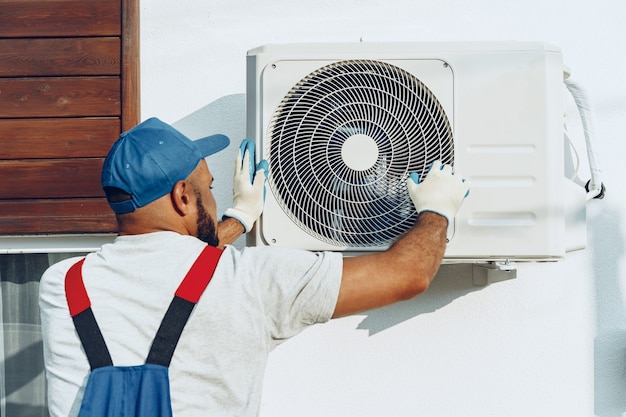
x: 258, y: 297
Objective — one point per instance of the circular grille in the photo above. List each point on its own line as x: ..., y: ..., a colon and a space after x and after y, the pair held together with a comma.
x: 341, y: 145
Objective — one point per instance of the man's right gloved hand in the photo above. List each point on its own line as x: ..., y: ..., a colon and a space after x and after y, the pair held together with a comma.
x: 442, y: 191
x: 248, y: 186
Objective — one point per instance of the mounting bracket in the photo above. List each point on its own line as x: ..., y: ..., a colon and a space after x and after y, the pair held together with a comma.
x: 490, y: 272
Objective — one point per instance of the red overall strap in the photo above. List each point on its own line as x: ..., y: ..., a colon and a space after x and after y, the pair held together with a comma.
x: 198, y: 277
x: 77, y: 298
x: 190, y: 289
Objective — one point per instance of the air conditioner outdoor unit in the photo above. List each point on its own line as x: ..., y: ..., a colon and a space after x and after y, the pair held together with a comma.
x: 343, y: 125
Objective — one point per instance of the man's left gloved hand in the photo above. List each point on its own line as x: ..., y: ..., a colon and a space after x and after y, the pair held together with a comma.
x: 441, y: 192
x: 248, y: 186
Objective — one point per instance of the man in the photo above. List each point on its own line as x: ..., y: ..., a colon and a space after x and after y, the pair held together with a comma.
x: 158, y: 183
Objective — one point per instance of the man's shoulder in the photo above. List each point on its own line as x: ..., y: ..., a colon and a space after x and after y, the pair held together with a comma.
x: 52, y: 284
x: 59, y: 269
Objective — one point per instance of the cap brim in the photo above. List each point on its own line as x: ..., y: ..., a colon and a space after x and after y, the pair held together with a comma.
x: 211, y: 144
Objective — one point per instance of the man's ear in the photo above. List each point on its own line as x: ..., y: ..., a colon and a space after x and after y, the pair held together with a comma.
x: 182, y: 197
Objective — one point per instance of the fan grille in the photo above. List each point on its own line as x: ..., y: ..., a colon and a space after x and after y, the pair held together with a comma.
x: 341, y: 145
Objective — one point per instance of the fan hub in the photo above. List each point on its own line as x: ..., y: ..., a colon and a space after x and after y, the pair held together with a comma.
x: 359, y: 152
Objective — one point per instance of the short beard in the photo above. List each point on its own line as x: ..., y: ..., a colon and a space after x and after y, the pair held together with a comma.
x: 206, y: 224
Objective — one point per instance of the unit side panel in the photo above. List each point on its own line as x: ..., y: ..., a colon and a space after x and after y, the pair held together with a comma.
x: 509, y: 144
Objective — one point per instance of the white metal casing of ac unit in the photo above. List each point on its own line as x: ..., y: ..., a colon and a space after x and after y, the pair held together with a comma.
x: 505, y: 103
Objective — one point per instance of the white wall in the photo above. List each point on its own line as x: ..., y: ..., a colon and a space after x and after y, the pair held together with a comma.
x: 550, y: 343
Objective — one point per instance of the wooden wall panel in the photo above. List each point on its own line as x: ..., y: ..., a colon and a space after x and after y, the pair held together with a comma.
x: 54, y: 18
x: 56, y: 216
x: 60, y: 97
x: 57, y: 138
x: 51, y: 178
x: 59, y: 57
x: 69, y: 83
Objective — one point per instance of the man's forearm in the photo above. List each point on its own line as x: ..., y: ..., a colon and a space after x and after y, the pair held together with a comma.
x: 402, y: 272
x: 228, y: 230
x: 423, y: 245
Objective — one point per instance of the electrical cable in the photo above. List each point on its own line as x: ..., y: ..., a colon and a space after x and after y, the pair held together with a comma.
x: 595, y: 187
x: 575, y: 152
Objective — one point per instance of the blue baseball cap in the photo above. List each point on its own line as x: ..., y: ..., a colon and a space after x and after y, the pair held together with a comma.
x: 147, y: 160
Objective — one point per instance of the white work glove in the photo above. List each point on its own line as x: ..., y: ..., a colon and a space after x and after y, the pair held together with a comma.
x: 442, y: 191
x: 248, y: 186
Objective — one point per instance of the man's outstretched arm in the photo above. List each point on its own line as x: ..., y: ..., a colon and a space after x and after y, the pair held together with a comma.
x: 407, y: 268
x: 400, y: 273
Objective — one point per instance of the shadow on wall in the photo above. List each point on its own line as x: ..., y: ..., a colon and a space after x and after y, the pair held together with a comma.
x: 610, y: 344
x: 440, y: 293
x: 226, y: 115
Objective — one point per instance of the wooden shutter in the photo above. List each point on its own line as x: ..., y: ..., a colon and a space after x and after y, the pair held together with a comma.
x: 69, y: 85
